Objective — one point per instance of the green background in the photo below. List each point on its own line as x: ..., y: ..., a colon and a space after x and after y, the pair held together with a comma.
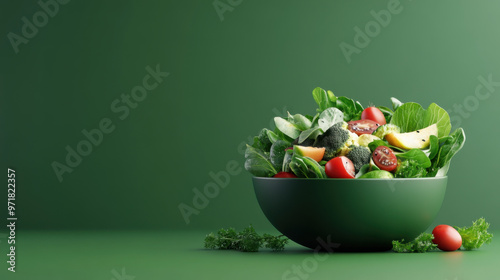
x: 228, y: 78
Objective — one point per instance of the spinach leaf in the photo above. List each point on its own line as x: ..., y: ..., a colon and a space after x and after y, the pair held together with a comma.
x: 300, y: 121
x: 434, y: 146
x: 262, y: 141
x: 277, y: 153
x: 257, y: 162
x: 286, y: 161
x: 321, y: 98
x: 326, y: 119
x: 352, y: 110
x: 282, y: 136
x: 448, y: 149
x: 273, y: 137
x: 329, y: 117
x: 367, y: 168
x: 306, y: 167
x: 418, y: 156
x: 332, y: 97
x: 311, y: 133
x: 287, y: 128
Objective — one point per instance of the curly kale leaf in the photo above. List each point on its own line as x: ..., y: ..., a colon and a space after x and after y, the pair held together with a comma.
x: 476, y: 235
x: 421, y: 244
x: 248, y: 240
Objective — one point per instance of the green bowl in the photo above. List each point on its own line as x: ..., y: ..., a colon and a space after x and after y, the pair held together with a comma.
x: 350, y: 214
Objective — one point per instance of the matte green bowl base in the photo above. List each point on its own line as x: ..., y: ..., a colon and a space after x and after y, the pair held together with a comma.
x: 350, y: 214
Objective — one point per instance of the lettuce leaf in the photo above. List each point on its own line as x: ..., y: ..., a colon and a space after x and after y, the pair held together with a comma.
x: 411, y: 116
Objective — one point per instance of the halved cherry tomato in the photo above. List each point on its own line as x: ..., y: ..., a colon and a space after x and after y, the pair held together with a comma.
x: 374, y: 114
x: 284, y: 175
x: 447, y: 238
x: 340, y: 167
x: 362, y: 126
x: 384, y: 158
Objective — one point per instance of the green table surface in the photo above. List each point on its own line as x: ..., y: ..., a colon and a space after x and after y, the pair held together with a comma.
x: 141, y: 255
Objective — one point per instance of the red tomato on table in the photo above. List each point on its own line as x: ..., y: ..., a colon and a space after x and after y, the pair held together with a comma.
x: 447, y: 238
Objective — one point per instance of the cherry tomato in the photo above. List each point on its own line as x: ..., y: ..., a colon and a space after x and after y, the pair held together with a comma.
x: 284, y: 175
x: 340, y: 167
x: 384, y: 158
x: 374, y: 114
x: 447, y: 238
x: 362, y: 126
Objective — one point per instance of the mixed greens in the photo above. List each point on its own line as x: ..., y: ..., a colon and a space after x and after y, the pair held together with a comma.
x: 471, y: 238
x: 248, y: 240
x: 345, y: 140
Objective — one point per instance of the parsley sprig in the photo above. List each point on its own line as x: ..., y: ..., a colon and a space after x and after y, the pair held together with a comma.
x: 421, y: 244
x: 476, y: 235
x: 248, y: 240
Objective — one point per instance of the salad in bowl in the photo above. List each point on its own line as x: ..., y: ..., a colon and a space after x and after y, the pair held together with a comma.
x: 345, y: 140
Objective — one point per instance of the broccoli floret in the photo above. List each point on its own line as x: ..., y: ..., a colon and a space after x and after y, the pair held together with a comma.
x: 359, y: 156
x: 336, y: 139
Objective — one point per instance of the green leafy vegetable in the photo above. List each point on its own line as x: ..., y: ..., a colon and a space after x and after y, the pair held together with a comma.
x: 419, y: 157
x: 473, y: 237
x: 322, y: 99
x: 421, y: 244
x: 449, y: 147
x: 408, y: 117
x: 300, y: 121
x: 273, y: 137
x: 311, y: 133
x: 437, y: 115
x: 476, y: 235
x: 352, y: 109
x: 257, y: 162
x: 363, y: 170
x: 277, y: 153
x: 287, y: 128
x: 326, y: 119
x: 262, y: 141
x: 409, y: 168
x: 247, y: 240
x: 332, y: 97
x: 411, y: 116
x: 306, y: 167
x: 433, y: 147
x: 286, y: 161
x: 329, y: 117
